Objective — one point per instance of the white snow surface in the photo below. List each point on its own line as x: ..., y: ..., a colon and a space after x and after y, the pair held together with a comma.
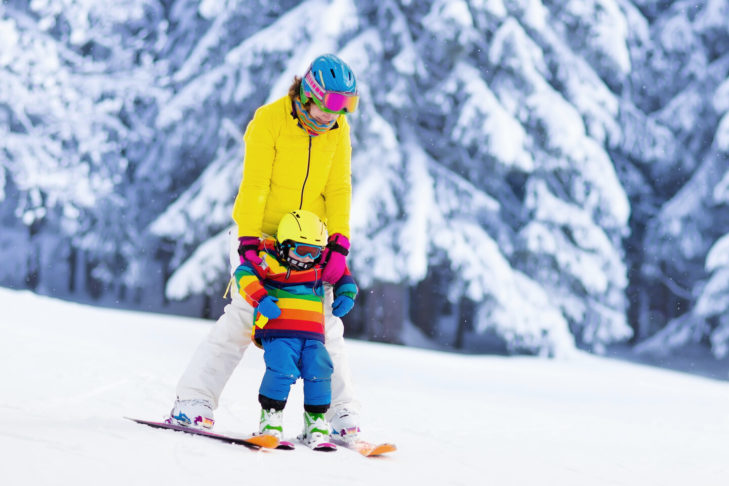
x: 71, y: 373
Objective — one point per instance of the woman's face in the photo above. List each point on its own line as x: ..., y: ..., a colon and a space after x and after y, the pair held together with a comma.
x: 321, y: 116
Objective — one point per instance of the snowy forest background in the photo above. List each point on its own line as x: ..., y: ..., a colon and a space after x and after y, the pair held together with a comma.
x: 529, y: 176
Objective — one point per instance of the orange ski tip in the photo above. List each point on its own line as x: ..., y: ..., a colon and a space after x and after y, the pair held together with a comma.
x: 382, y: 449
x: 264, y: 440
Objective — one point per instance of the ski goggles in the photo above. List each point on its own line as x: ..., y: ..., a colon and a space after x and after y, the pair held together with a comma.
x: 302, y: 250
x: 331, y: 101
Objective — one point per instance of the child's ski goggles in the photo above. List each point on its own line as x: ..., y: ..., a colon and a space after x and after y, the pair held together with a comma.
x: 302, y: 250
x: 331, y: 101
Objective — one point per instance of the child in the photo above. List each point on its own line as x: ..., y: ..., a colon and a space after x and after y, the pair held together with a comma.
x: 287, y: 291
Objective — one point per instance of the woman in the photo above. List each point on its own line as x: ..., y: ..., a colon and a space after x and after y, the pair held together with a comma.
x: 297, y: 156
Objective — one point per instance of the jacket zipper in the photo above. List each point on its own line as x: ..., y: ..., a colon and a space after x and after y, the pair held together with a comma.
x: 308, y: 165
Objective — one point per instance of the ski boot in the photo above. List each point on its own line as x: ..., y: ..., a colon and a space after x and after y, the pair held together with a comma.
x: 316, y: 432
x: 344, y: 425
x: 197, y: 413
x: 271, y: 423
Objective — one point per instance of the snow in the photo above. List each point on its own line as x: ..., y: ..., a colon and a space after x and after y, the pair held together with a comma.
x: 713, y: 298
x: 451, y: 21
x: 483, y: 123
x: 415, y: 229
x: 188, y: 279
x: 588, y: 93
x: 721, y: 138
x: 122, y: 123
x: 534, y: 13
x: 512, y: 49
x: 713, y: 15
x: 9, y: 39
x: 677, y: 34
x: 721, y: 191
x: 73, y: 372
x: 495, y: 8
x: 607, y: 32
x: 718, y: 255
x: 210, y: 9
x: 720, y: 100
x: 202, y: 206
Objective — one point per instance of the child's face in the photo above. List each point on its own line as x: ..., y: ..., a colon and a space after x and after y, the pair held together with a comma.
x: 305, y: 253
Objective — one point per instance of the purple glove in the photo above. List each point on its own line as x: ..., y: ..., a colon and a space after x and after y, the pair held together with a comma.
x: 248, y: 249
x: 336, y: 258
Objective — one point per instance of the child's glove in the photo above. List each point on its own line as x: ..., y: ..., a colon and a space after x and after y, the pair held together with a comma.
x: 267, y: 307
x: 337, y: 249
x: 248, y: 249
x: 342, y: 304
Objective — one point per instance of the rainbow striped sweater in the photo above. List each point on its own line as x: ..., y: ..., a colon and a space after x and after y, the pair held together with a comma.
x: 300, y: 294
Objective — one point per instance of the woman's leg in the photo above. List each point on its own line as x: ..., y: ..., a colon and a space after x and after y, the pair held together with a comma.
x: 218, y: 355
x: 344, y: 402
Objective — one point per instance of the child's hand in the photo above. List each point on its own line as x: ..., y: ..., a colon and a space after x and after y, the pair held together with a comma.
x: 267, y: 306
x: 342, y: 304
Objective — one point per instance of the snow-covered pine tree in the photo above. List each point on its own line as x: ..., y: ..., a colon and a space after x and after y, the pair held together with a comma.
x: 495, y: 152
x: 690, y: 102
x: 77, y: 92
x: 694, y: 225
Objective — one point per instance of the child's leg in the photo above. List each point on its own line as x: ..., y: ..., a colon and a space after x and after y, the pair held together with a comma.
x: 271, y: 421
x: 316, y: 370
x: 281, y: 356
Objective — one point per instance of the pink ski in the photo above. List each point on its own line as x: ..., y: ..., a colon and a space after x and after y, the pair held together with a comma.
x: 255, y: 441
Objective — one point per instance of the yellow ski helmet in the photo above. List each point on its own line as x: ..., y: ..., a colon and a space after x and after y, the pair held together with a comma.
x: 300, y: 227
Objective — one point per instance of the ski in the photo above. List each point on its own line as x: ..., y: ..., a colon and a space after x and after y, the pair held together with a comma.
x: 367, y: 449
x: 324, y: 447
x: 320, y: 446
x: 286, y: 445
x: 254, y: 442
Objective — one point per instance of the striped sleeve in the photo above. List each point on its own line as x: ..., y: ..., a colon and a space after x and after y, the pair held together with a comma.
x: 249, y: 285
x: 346, y: 285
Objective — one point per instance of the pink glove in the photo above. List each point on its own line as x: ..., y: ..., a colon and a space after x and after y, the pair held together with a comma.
x: 336, y: 258
x: 248, y: 249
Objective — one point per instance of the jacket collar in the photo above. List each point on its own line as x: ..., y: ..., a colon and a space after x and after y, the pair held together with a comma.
x: 292, y: 112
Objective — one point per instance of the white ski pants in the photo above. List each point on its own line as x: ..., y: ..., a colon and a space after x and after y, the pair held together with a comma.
x: 221, y: 351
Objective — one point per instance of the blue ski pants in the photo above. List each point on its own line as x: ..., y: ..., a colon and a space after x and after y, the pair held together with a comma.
x: 288, y: 359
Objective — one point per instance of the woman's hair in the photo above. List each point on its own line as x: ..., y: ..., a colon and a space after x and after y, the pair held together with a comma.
x: 295, y: 91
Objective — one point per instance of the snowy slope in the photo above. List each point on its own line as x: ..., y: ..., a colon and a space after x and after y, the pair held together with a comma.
x: 69, y: 374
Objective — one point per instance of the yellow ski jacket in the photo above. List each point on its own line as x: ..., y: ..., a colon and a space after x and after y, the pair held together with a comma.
x: 285, y: 169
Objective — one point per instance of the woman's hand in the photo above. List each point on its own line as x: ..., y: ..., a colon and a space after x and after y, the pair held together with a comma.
x: 336, y: 259
x: 248, y: 249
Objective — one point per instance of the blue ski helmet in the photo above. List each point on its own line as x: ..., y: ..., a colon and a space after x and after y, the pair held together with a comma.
x: 329, y: 74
